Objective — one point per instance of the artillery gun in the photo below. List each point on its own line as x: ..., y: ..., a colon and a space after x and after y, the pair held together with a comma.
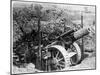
x: 59, y: 54
x: 64, y: 51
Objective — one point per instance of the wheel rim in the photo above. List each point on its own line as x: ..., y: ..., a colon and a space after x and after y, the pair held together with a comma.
x: 57, y: 61
x: 77, y: 57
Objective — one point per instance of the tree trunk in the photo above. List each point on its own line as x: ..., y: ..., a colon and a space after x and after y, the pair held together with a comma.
x: 38, y: 60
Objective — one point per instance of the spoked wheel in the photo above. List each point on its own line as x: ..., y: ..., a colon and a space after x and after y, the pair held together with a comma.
x: 57, y: 61
x: 77, y: 57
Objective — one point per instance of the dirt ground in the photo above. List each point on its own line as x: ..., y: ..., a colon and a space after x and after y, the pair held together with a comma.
x: 87, y: 63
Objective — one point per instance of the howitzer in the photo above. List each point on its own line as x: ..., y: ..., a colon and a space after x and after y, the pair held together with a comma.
x: 70, y: 36
x: 74, y: 35
x: 64, y: 50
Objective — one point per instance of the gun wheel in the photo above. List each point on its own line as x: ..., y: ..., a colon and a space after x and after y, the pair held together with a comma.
x: 57, y: 61
x: 76, y: 59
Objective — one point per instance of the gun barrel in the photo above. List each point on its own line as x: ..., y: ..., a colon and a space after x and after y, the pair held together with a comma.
x: 80, y: 33
x: 65, y: 34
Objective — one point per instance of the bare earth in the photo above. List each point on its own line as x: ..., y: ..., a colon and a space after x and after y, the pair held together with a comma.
x: 87, y: 63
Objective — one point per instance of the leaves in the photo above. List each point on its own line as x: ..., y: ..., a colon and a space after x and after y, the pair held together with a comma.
x: 25, y: 29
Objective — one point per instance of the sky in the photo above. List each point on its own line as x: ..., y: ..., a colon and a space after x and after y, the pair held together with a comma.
x: 62, y: 6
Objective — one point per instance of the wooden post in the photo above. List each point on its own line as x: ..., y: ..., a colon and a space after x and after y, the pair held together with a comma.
x: 64, y: 27
x: 82, y: 19
x: 38, y: 60
x: 39, y: 48
x: 82, y: 27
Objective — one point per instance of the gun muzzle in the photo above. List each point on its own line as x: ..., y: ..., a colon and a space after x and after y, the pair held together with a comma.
x: 80, y: 33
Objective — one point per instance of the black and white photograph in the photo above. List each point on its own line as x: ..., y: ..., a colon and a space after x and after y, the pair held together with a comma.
x: 52, y: 37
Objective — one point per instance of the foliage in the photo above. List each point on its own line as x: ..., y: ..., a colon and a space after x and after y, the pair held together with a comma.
x: 25, y: 30
x: 53, y: 22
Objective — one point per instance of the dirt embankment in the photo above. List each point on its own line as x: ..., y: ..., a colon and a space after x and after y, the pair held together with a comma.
x: 87, y: 63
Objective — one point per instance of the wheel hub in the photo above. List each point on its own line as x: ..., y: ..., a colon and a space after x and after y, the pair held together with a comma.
x: 55, y: 61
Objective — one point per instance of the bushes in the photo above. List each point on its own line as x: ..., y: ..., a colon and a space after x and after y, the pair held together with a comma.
x: 25, y: 29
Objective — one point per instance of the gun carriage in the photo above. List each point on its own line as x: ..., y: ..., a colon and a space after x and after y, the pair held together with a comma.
x: 64, y: 51
x: 61, y: 53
